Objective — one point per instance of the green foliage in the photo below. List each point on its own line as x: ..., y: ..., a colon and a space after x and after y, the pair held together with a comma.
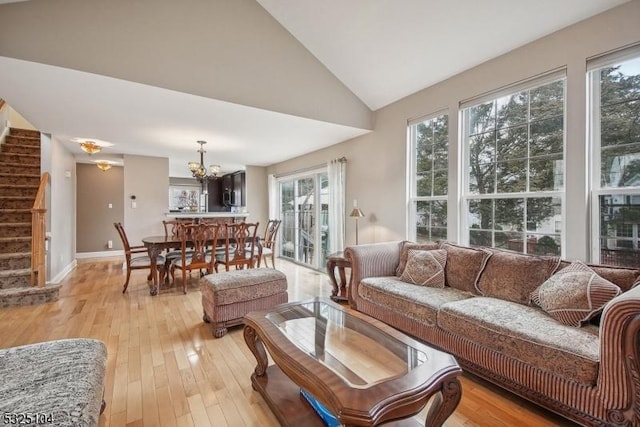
x: 515, y: 145
x: 547, y: 246
x: 620, y: 128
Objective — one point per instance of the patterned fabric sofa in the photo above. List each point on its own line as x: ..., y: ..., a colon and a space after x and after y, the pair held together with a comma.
x: 564, y: 335
x: 58, y: 383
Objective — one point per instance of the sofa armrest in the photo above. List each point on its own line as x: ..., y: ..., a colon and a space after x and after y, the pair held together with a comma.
x: 371, y: 260
x: 619, y: 378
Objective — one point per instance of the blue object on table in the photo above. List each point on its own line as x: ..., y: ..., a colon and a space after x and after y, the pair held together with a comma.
x: 327, y: 417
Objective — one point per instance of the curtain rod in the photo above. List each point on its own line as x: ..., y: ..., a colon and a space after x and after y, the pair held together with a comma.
x: 307, y: 169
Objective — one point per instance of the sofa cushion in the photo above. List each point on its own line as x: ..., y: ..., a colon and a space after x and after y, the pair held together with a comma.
x: 513, y: 276
x: 624, y: 277
x: 404, y: 253
x: 527, y: 334
x: 574, y: 295
x: 420, y: 303
x: 464, y: 266
x: 425, y: 268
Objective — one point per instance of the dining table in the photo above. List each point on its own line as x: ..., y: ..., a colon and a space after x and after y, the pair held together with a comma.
x: 158, y: 243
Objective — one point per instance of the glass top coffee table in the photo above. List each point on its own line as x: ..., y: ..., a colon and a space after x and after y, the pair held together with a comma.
x: 356, y: 368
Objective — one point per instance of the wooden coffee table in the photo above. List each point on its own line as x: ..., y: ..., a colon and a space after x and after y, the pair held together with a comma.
x: 363, y: 371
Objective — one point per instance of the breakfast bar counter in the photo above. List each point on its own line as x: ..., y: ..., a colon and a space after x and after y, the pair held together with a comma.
x: 195, y: 215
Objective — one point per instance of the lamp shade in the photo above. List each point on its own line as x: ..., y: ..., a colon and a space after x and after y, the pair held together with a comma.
x: 356, y: 213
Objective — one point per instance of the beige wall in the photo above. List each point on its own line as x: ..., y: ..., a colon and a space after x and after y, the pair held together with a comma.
x: 376, y: 168
x: 148, y: 179
x: 17, y: 121
x: 257, y: 196
x: 96, y: 189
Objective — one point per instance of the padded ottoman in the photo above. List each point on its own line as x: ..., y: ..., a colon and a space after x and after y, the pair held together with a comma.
x: 58, y: 383
x: 228, y: 296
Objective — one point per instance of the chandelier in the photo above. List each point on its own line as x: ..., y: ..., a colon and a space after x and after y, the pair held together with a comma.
x: 103, y: 165
x: 199, y: 171
x: 90, y: 147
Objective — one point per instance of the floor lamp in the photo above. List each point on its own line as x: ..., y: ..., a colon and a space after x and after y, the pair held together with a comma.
x: 356, y: 213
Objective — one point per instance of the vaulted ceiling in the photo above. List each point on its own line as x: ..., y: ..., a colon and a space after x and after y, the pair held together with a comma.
x: 262, y: 81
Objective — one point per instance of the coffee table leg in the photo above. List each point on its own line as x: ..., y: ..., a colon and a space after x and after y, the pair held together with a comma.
x: 257, y: 348
x: 444, y: 403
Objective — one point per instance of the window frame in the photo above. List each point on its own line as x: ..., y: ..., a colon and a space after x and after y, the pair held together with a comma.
x: 464, y: 142
x: 593, y: 104
x: 412, y: 172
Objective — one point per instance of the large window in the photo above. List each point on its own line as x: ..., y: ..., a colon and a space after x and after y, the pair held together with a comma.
x: 429, y: 148
x: 615, y: 135
x: 514, y: 168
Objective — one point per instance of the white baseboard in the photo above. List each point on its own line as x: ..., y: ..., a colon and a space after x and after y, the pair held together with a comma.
x: 60, y: 276
x: 102, y: 254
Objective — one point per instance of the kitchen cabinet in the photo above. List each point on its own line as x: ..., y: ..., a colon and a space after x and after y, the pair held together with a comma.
x: 227, y: 191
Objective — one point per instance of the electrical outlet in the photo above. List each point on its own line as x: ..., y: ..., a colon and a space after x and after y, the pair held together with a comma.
x: 110, y: 244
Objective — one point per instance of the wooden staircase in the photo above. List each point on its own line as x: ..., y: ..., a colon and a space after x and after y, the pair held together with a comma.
x: 19, y: 180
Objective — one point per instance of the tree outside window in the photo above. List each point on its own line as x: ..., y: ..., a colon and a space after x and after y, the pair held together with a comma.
x: 429, y: 144
x: 616, y: 120
x: 514, y: 149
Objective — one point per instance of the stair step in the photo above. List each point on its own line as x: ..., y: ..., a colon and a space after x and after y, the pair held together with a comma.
x: 24, y: 132
x: 16, y: 202
x: 19, y: 179
x: 20, y: 158
x: 18, y: 168
x: 15, y: 215
x: 15, y: 229
x: 20, y: 278
x: 15, y: 244
x: 29, y: 295
x: 15, y: 261
x: 19, y: 190
x: 20, y: 149
x: 22, y: 140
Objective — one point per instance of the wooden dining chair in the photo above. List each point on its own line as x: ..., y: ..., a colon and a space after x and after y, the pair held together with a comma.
x: 137, y: 258
x: 239, y: 245
x: 268, y: 243
x: 171, y: 229
x: 196, y: 240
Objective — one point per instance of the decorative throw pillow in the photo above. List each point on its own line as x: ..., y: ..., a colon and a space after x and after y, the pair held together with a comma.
x: 624, y: 277
x: 464, y: 266
x: 512, y: 276
x: 574, y: 294
x: 425, y: 268
x: 404, y: 253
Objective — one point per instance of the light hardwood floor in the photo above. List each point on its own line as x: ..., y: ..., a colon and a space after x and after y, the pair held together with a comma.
x: 165, y: 368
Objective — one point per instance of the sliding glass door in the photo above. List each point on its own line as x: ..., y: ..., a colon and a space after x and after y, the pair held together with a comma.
x: 304, y: 213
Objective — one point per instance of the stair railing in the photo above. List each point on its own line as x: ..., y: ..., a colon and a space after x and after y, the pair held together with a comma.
x: 38, y: 235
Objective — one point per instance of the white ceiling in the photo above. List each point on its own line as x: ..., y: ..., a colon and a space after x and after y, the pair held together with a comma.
x: 382, y: 50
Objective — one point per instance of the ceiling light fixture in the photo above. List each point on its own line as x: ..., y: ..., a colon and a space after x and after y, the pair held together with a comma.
x: 103, y: 165
x: 199, y: 171
x: 90, y: 147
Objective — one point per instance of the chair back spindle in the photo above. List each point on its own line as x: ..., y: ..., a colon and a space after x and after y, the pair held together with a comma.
x: 240, y: 245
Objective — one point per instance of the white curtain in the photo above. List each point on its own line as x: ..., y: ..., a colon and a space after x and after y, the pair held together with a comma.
x: 337, y: 181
